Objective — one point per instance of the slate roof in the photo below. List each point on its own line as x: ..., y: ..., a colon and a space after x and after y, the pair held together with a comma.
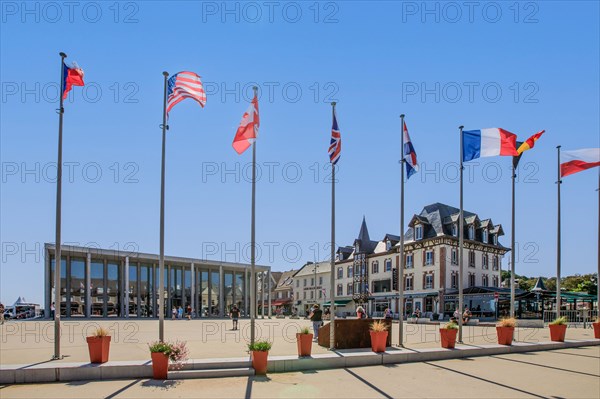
x: 286, y: 279
x: 364, y: 241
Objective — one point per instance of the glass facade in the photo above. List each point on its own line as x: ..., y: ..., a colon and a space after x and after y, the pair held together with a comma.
x: 105, y: 287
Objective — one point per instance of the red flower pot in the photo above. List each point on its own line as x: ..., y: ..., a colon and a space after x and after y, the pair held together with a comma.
x: 557, y: 332
x: 505, y: 335
x: 99, y: 348
x: 378, y: 340
x: 596, y: 329
x: 160, y: 365
x: 259, y: 361
x: 448, y: 337
x: 304, y: 344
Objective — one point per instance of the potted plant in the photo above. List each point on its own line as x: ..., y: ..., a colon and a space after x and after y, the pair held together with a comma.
x: 164, y: 352
x: 558, y: 328
x: 505, y: 329
x: 304, y: 341
x: 448, y: 334
x: 259, y: 352
x: 379, y: 334
x: 99, y: 345
x: 596, y: 325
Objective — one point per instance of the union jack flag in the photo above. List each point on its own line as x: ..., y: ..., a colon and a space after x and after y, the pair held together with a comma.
x: 335, y: 145
x: 184, y: 85
x: 409, y: 154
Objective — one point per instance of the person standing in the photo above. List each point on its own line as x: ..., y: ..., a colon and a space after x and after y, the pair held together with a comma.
x: 52, y: 310
x: 360, y: 313
x: 316, y: 316
x: 1, y: 313
x: 174, y: 313
x: 180, y: 312
x: 235, y: 315
x: 387, y: 313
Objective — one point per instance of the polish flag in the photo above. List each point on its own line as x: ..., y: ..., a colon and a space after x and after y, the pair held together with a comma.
x: 578, y: 160
x: 488, y: 143
x: 248, y: 130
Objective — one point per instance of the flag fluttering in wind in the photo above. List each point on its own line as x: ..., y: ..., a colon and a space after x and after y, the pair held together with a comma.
x: 410, y: 156
x: 184, y: 85
x: 488, y: 143
x: 578, y: 160
x: 247, y: 132
x: 72, y: 76
x: 526, y: 145
x: 335, y: 145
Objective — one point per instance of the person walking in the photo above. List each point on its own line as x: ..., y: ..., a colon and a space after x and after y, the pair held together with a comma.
x: 180, y: 312
x: 174, y: 313
x: 316, y: 316
x: 235, y: 315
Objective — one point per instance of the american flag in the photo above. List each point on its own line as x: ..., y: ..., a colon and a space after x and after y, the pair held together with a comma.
x: 335, y: 145
x: 409, y: 154
x: 184, y: 85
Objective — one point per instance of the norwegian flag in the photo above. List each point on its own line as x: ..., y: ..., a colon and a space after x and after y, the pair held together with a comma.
x: 184, y: 85
x: 247, y: 132
x: 335, y: 145
x: 409, y: 154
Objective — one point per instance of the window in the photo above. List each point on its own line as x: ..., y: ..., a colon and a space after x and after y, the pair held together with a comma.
x: 409, y: 261
x: 349, y: 271
x: 418, y: 232
x: 428, y: 281
x: 297, y: 283
x: 312, y: 294
x: 388, y: 265
x: 454, y: 230
x: 312, y: 281
x: 304, y: 284
x: 495, y: 239
x: 484, y: 237
x: 429, y: 257
x: 485, y: 280
x: 454, y: 256
x: 471, y: 279
x: 408, y: 283
x: 341, y: 272
x: 495, y: 262
x: 471, y: 232
x: 484, y: 261
x: 388, y: 245
x: 304, y: 296
x: 471, y: 258
x: 375, y: 267
x: 356, y: 248
x: 454, y: 280
x: 349, y: 289
x: 320, y: 280
x: 382, y: 285
x: 495, y: 281
x: 339, y: 290
x: 320, y: 294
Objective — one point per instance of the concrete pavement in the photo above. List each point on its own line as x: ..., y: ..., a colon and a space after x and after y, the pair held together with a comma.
x: 567, y: 373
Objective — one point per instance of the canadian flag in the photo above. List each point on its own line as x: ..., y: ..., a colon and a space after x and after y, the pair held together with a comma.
x: 248, y: 130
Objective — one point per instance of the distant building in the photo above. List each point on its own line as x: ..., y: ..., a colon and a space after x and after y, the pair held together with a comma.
x: 365, y: 271
x: 311, y: 285
x: 283, y: 295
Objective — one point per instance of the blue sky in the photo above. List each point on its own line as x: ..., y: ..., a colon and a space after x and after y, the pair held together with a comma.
x: 524, y: 68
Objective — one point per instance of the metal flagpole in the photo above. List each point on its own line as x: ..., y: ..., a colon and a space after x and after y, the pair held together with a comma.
x: 57, y: 254
x: 332, y: 288
x: 401, y: 263
x: 512, y: 249
x: 558, y: 183
x: 598, y: 275
x: 461, y: 238
x: 252, y: 242
x: 161, y: 262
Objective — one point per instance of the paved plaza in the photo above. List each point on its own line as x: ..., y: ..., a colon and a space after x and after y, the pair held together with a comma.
x: 32, y: 341
x: 567, y: 373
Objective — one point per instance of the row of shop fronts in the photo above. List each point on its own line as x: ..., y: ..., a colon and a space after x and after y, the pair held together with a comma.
x: 102, y: 283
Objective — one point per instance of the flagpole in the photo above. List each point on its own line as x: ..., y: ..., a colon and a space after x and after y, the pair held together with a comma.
x: 57, y: 254
x: 598, y: 275
x: 253, y: 242
x: 332, y: 288
x: 401, y: 263
x: 461, y: 233
x: 512, y: 249
x: 161, y: 262
x: 558, y: 243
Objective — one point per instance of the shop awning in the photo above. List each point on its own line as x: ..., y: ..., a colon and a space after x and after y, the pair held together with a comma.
x: 338, y: 302
x: 280, y: 302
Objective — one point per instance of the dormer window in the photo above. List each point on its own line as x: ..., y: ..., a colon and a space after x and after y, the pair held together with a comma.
x: 471, y: 232
x: 388, y: 245
x: 495, y: 239
x: 356, y: 248
x: 454, y: 230
x: 418, y: 232
x: 484, y: 237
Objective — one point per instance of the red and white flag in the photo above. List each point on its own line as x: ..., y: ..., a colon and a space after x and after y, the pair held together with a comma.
x: 248, y: 130
x: 578, y: 160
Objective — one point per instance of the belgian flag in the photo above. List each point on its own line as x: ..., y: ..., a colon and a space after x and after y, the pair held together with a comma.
x: 523, y: 146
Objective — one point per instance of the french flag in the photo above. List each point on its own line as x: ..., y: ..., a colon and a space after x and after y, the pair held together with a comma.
x: 578, y: 160
x: 488, y: 143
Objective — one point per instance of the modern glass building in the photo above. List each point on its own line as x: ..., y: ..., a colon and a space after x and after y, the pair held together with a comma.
x: 109, y: 283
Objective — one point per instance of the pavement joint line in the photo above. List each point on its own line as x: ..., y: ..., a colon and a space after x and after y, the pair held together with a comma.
x: 112, y: 370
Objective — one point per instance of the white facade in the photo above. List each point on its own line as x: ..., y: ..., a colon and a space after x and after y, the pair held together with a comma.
x: 311, y: 285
